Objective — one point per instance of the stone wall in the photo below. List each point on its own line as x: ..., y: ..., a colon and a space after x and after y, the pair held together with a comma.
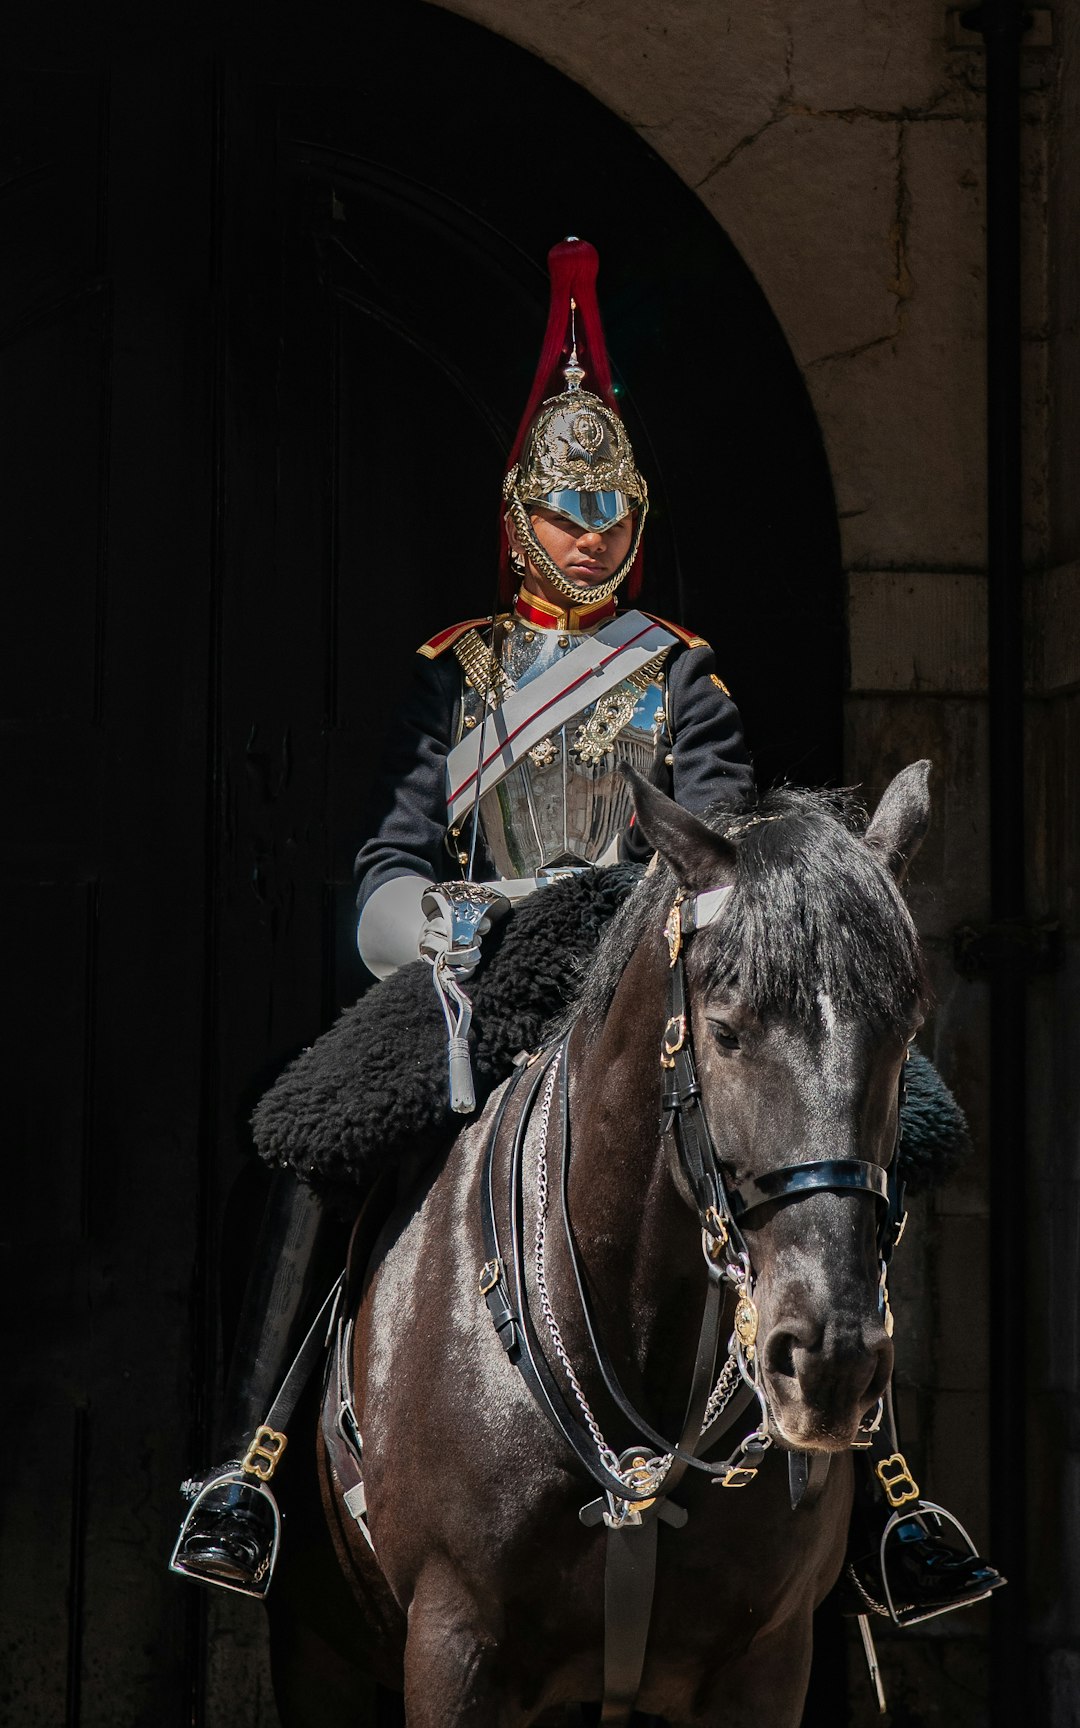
x: 840, y: 144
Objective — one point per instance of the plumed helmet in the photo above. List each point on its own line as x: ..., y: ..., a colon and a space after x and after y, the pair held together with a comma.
x: 572, y: 453
x: 577, y: 459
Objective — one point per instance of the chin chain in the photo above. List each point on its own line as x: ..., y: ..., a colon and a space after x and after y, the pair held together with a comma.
x: 547, y: 566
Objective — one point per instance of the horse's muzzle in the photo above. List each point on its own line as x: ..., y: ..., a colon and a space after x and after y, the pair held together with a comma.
x: 822, y: 1377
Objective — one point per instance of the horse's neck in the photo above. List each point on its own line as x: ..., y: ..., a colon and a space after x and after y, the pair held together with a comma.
x: 638, y: 1237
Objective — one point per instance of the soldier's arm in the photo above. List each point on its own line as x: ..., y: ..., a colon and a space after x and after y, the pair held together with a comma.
x: 702, y: 758
x: 711, y: 763
x: 406, y: 820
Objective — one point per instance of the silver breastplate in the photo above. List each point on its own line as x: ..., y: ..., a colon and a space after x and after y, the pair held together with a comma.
x: 566, y: 802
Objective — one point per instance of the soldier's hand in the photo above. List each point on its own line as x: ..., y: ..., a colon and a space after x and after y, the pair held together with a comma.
x: 458, y: 915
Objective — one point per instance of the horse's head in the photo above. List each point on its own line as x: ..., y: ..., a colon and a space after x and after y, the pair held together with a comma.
x: 803, y: 995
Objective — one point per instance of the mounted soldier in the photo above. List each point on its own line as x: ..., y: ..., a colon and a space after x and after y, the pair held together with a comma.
x: 503, y: 776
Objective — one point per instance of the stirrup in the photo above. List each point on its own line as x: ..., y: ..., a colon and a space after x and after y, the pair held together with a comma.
x: 234, y: 1476
x: 912, y: 1616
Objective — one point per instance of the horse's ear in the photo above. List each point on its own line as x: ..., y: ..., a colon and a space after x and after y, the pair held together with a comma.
x: 898, y: 826
x: 699, y: 858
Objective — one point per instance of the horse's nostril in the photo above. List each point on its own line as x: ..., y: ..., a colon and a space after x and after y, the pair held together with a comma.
x: 780, y: 1347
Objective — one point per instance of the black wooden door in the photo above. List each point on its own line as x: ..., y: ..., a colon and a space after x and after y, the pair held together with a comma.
x: 266, y: 326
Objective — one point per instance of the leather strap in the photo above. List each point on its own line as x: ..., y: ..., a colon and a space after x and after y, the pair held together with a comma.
x: 629, y: 1584
x: 511, y: 1318
x: 281, y: 1410
x: 792, y: 1181
x: 807, y: 1475
x: 703, y: 1377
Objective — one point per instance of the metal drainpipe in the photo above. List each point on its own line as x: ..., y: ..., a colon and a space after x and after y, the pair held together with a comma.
x: 1002, y: 24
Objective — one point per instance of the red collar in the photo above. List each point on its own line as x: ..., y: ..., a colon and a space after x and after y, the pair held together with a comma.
x: 542, y: 615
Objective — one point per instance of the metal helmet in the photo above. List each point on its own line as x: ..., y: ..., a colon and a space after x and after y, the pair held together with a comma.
x: 573, y: 452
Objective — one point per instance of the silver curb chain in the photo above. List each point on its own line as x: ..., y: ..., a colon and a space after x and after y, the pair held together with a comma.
x: 730, y: 1374
x: 607, y: 1456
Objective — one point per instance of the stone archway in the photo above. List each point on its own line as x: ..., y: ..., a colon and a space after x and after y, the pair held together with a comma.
x: 440, y: 249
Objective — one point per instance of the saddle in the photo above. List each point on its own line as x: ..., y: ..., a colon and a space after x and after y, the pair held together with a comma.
x: 373, y: 1088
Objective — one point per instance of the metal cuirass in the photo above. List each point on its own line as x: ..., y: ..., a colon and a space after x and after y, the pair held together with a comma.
x: 566, y: 803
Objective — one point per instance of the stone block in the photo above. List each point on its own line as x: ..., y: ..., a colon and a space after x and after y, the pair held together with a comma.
x: 917, y: 631
x: 886, y: 55
x: 957, y: 1470
x: 948, y: 884
x: 911, y: 1300
x: 945, y: 235
x: 1053, y: 1478
x: 903, y: 427
x: 239, y: 1693
x: 955, y: 1039
x: 961, y: 1277
x: 1054, y: 1101
x: 935, y: 1676
x: 1053, y: 629
x: 811, y: 205
x: 1054, y: 1225
x: 903, y: 417
x: 1052, y: 808
x: 695, y: 86
x: 1063, y: 1689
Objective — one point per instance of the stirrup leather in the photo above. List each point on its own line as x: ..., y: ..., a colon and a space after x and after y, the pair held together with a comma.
x: 236, y: 1477
x: 912, y: 1616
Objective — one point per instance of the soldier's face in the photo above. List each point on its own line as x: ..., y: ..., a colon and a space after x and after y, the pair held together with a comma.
x: 584, y: 556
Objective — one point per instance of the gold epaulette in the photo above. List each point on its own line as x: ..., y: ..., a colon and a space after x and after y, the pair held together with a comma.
x: 691, y: 641
x: 685, y: 636
x: 482, y: 667
x: 446, y: 638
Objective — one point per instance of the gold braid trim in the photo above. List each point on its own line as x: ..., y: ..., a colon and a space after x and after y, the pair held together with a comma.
x: 648, y: 674
x: 482, y: 668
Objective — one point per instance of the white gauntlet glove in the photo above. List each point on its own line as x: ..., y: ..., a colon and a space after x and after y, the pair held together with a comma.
x: 458, y: 915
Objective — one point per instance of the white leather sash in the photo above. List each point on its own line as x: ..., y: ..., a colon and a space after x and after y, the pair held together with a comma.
x: 596, y: 666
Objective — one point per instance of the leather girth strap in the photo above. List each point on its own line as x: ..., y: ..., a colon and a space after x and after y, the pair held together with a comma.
x: 629, y: 1583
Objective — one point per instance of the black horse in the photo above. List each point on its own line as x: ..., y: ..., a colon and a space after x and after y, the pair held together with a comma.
x: 475, y: 1585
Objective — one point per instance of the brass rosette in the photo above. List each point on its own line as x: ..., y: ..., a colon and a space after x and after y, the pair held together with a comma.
x: 576, y: 444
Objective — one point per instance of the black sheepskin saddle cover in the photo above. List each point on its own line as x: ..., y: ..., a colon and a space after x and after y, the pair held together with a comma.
x: 374, y: 1087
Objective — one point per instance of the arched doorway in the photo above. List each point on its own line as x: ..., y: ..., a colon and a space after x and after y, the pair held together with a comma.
x: 287, y: 297
x: 392, y: 231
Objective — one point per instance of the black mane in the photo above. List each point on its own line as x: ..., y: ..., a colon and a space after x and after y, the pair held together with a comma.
x: 812, y: 911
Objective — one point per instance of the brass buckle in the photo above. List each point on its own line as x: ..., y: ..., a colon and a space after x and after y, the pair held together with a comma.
x: 714, y: 1236
x: 490, y: 1273
x: 738, y: 1476
x: 673, y: 1040
x: 899, y: 1484
x: 673, y: 929
x: 264, y: 1453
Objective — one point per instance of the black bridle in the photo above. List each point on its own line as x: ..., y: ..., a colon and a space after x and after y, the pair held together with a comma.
x: 723, y: 1206
x: 719, y: 1198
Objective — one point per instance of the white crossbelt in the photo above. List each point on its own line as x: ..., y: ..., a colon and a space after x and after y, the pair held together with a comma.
x: 596, y: 666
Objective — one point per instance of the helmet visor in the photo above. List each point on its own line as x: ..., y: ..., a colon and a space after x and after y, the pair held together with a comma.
x: 596, y: 511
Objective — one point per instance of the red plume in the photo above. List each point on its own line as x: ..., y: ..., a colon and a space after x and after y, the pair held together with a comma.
x: 572, y: 265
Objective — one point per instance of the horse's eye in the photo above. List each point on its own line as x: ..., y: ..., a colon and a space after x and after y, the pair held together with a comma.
x: 723, y: 1034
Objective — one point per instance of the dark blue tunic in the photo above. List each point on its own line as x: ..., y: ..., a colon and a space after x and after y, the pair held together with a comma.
x: 407, y: 818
